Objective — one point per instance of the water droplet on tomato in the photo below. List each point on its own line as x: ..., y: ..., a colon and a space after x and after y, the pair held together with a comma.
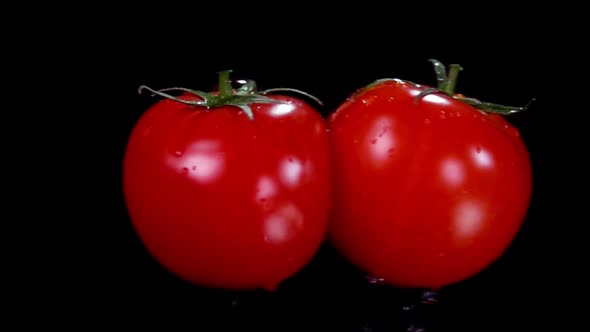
x: 390, y: 98
x: 443, y: 116
x: 478, y: 149
x: 427, y: 121
x: 390, y: 151
x: 374, y: 141
x: 178, y: 153
x: 184, y: 170
x: 194, y: 167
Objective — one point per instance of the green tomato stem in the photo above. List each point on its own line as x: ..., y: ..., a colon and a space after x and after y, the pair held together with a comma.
x: 451, y: 83
x: 441, y: 74
x: 225, y: 88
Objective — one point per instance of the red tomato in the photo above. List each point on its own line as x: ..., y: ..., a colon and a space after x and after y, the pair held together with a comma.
x: 428, y: 191
x: 224, y: 201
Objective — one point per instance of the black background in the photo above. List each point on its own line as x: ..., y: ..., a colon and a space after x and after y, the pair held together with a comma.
x: 104, y: 274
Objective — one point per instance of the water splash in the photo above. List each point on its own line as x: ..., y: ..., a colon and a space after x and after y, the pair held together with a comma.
x: 374, y: 280
x: 415, y: 328
x: 429, y: 297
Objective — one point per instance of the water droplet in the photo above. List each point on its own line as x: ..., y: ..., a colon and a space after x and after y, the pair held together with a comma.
x: 262, y: 200
x: 194, y: 167
x: 185, y: 170
x: 478, y: 149
x: 178, y: 153
x: 443, y: 116
x: 290, y: 159
x: 366, y: 103
x: 427, y: 121
x: 374, y: 141
x: 390, y: 151
x: 390, y: 98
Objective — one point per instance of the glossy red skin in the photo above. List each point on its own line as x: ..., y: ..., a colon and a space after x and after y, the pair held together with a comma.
x: 426, y: 194
x: 222, y: 201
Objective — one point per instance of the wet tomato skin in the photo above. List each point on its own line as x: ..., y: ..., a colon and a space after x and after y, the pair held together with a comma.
x: 224, y: 201
x: 428, y: 191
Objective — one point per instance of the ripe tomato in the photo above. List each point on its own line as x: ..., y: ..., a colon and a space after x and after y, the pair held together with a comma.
x: 222, y: 200
x: 428, y: 190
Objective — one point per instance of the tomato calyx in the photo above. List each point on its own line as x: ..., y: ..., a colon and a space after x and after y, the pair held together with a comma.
x: 242, y: 96
x: 446, y: 83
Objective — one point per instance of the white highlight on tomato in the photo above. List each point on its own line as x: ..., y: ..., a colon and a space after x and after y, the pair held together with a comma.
x: 291, y: 170
x: 482, y: 157
x: 381, y: 139
x: 265, y: 188
x: 202, y: 161
x: 452, y: 171
x: 468, y: 218
x: 435, y: 99
x: 282, y: 109
x: 283, y: 225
